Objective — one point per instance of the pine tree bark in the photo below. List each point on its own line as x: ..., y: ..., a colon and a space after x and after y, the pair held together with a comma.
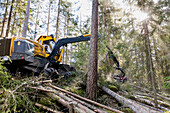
x: 158, y: 63
x: 151, y: 64
x: 146, y: 32
x: 13, y: 24
x: 14, y: 19
x: 4, y: 19
x: 91, y: 89
x: 24, y: 32
x: 48, y: 17
x: 35, y: 31
x: 57, y: 22
x: 137, y: 108
x: 147, y: 63
x: 9, y: 19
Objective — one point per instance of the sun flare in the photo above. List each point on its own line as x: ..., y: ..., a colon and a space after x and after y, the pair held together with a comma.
x: 140, y: 15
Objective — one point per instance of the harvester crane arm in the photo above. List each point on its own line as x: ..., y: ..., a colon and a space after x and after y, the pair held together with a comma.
x: 64, y: 41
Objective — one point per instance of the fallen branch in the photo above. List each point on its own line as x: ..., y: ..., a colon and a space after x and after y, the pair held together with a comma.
x: 131, y: 104
x: 42, y: 89
x: 47, y: 108
x: 85, y: 99
x: 45, y: 81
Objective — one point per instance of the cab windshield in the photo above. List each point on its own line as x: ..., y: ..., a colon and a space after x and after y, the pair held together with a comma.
x: 48, y: 45
x: 23, y: 46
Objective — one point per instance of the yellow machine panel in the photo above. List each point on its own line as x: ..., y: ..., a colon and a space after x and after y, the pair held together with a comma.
x: 39, y: 50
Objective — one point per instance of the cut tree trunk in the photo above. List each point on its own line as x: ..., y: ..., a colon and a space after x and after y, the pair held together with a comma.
x: 146, y: 90
x: 149, y: 102
x: 131, y: 104
x: 74, y: 103
x: 47, y: 108
x: 88, y: 105
x: 85, y: 99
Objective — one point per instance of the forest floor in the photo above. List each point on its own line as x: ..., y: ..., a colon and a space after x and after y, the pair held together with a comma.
x: 42, y: 94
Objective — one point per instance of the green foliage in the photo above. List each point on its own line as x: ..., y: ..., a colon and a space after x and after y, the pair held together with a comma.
x: 126, y: 87
x: 166, y: 84
x: 80, y: 92
x: 81, y: 56
x: 127, y: 110
x: 113, y: 88
x: 105, y: 67
x: 12, y: 100
x: 113, y: 85
x: 130, y: 97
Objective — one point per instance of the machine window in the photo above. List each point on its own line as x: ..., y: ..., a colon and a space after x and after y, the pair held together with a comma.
x: 19, y: 46
x: 40, y: 41
x: 30, y: 48
x: 52, y: 43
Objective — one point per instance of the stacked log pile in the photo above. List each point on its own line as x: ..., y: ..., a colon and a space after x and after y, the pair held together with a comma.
x: 77, y: 104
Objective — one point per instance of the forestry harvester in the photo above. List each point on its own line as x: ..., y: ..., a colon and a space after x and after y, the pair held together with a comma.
x: 45, y: 55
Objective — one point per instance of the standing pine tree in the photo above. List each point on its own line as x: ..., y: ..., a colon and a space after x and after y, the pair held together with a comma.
x: 24, y: 32
x: 91, y: 89
x: 9, y: 19
x: 3, y: 22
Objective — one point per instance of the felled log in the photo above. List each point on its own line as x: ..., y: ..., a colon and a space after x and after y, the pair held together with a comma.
x: 146, y: 90
x: 65, y: 101
x: 88, y: 105
x: 146, y: 95
x: 75, y: 103
x: 85, y: 99
x: 149, y: 102
x: 131, y: 104
x: 47, y: 108
x: 51, y: 94
x: 62, y: 101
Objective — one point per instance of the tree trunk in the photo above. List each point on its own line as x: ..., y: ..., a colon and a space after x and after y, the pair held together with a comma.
x: 9, y: 19
x: 158, y: 64
x: 147, y: 63
x: 13, y: 24
x: 24, y: 32
x: 84, y: 99
x: 166, y: 64
x: 148, y: 91
x: 91, y: 89
x: 48, y: 17
x: 149, y: 102
x: 14, y: 19
x: 4, y: 19
x: 47, y: 108
x: 88, y: 105
x: 151, y: 64
x: 35, y: 33
x: 131, y: 104
x: 57, y: 22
